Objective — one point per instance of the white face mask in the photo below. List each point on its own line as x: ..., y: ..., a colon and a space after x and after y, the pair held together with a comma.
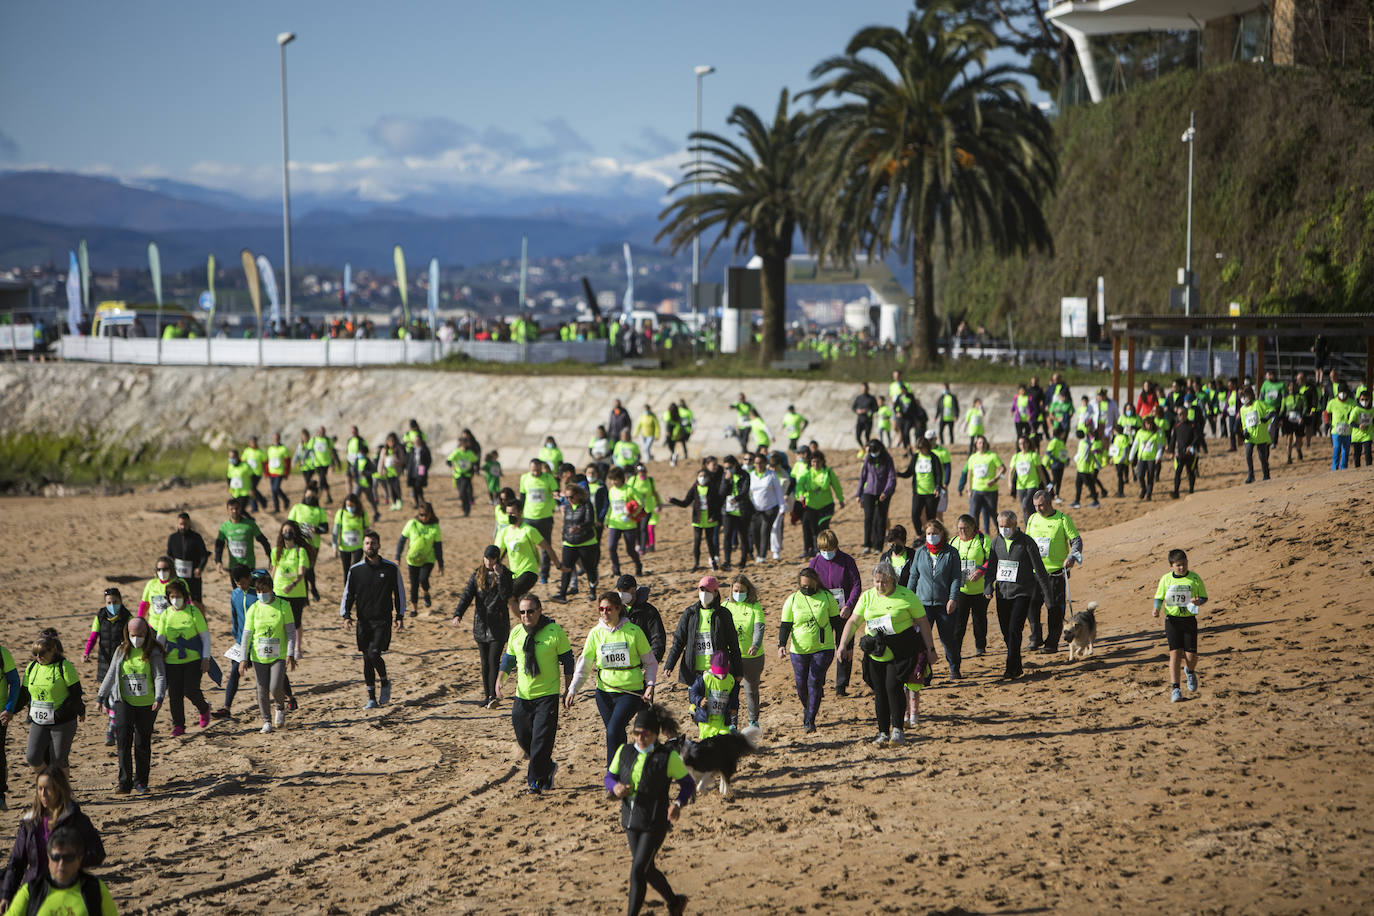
x: 137, y: 641
x: 706, y: 598
x: 178, y: 603
x: 828, y: 554
x: 626, y: 598
x: 739, y: 596
x: 1007, y: 532
x: 164, y: 574
x: 265, y: 597
x: 933, y: 540
x: 702, y: 480
x: 1340, y: 395
x: 350, y: 510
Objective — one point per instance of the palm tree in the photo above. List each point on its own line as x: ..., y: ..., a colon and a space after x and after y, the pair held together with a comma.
x: 755, y: 195
x: 926, y: 143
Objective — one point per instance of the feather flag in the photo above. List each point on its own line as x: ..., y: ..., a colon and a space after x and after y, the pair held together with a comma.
x: 84, y: 259
x: 250, y: 274
x: 269, y: 283
x: 629, y: 302
x: 155, y: 268
x: 400, y: 259
x: 210, y: 287
x: 433, y: 294
x: 73, y: 295
x: 347, y: 284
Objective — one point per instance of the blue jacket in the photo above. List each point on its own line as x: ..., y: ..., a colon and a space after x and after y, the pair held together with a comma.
x: 935, y: 579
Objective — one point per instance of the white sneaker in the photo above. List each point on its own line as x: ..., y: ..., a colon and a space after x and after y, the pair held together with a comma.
x: 267, y: 728
x: 898, y: 737
x: 881, y: 739
x: 279, y: 717
x: 775, y: 556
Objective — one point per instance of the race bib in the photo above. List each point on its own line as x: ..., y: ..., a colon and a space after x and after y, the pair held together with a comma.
x: 238, y: 548
x: 701, y: 504
x: 924, y: 466
x: 352, y: 539
x: 275, y: 463
x: 731, y: 504
x: 613, y: 655
x: 1044, y: 546
x: 1341, y: 429
x: 881, y: 624
x: 618, y: 507
x: 253, y: 463
x: 1249, y: 419
x: 236, y: 483
x: 184, y: 568
x: 390, y: 461
x: 536, y: 496
x: 1114, y: 452
x: 464, y: 465
x: 1366, y: 421
x: 839, y: 595
x: 703, y: 645
x: 1178, y: 595
x: 717, y: 703
x: 41, y: 713
x: 1023, y: 468
x: 268, y: 647
x: 1294, y: 417
x: 135, y: 685
x: 321, y: 448
x: 980, y: 472
x: 1007, y: 570
x: 967, y: 567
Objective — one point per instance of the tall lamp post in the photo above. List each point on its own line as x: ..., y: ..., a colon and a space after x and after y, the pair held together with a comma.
x: 1189, y: 137
x: 284, y: 39
x: 702, y: 72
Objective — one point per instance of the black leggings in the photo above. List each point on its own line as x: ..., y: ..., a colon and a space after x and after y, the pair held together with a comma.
x: 644, y: 846
x: 736, y: 532
x: 1123, y: 477
x: 393, y: 487
x: 863, y: 430
x: 419, y: 579
x: 464, y: 487
x: 923, y: 508
x: 889, y: 696
x: 545, y: 527
x: 1186, y: 466
x: 814, y: 521
x: 982, y: 505
x: 976, y: 607
x: 1079, y: 480
x: 589, y: 556
x: 631, y: 538
x: 712, y: 536
x: 183, y: 683
x: 875, y: 520
x: 348, y: 558
x: 489, y: 651
x: 761, y: 529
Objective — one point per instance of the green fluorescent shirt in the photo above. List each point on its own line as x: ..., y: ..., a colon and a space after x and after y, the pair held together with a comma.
x: 982, y: 471
x: 136, y: 679
x: 1176, y: 591
x: 240, y: 479
x: 548, y: 646
x: 888, y: 614
x: 464, y: 462
x: 746, y: 616
x: 6, y: 666
x: 810, y: 619
x: 618, y: 657
x: 240, y: 538
x: 521, y: 546
x: 539, y: 491
x: 676, y: 768
x: 1023, y: 467
x: 1052, y: 535
x: 351, y: 529
x: 973, y: 553
x: 267, y: 622
x: 312, y: 519
x: 287, y: 564
x: 618, y: 518
x: 420, y: 541
x: 185, y: 624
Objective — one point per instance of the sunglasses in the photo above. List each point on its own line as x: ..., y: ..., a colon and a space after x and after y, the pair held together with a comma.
x: 643, y: 731
x: 525, y: 612
x: 64, y: 857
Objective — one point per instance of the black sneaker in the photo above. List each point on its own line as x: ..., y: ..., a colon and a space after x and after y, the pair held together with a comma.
x: 428, y: 601
x: 291, y: 704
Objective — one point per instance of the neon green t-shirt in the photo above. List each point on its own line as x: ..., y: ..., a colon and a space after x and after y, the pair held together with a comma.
x: 539, y: 491
x: 240, y: 479
x: 420, y: 541
x: 352, y: 527
x: 136, y: 679
x: 287, y: 564
x: 62, y: 901
x: 521, y: 546
x: 888, y: 614
x: 549, y: 644
x: 973, y: 553
x: 676, y: 768
x: 617, y: 517
x: 810, y: 619
x: 1177, y: 591
x: 6, y: 666
x: 180, y: 630
x: 240, y: 537
x: 618, y: 657
x: 48, y: 688
x: 464, y: 462
x: 748, y: 617
x: 268, y: 625
x: 1024, y: 469
x: 982, y: 468
x: 1052, y: 536
x: 717, y: 703
x: 312, y: 519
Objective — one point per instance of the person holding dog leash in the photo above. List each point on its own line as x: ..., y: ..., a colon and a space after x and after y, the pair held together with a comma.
x: 1015, y: 570
x: 1060, y: 546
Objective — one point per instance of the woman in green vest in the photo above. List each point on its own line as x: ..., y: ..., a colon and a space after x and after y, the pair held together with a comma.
x: 134, y: 686
x: 185, y: 639
x: 53, y: 690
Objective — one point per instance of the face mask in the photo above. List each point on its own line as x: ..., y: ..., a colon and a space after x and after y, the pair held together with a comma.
x: 265, y: 597
x: 1007, y: 532
x: 112, y: 609
x: 703, y: 479
x: 873, y: 453
x: 513, y: 519
x: 808, y: 590
x: 287, y: 536
x: 933, y: 540
x: 828, y: 554
x: 137, y: 641
x: 350, y: 510
x: 1246, y: 401
x: 646, y: 750
x: 1364, y: 402
x: 706, y: 598
x: 739, y: 597
x: 178, y: 603
x: 164, y: 574
x: 1341, y: 396
x: 626, y: 598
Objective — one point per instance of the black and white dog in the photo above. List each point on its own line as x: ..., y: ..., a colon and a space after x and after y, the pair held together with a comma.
x: 719, y: 754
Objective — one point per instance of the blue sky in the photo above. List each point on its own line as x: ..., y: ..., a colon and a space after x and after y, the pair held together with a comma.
x: 392, y: 99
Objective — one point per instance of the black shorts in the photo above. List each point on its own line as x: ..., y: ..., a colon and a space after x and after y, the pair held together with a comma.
x: 374, y: 636
x: 1181, y: 633
x: 298, y: 608
x: 523, y: 583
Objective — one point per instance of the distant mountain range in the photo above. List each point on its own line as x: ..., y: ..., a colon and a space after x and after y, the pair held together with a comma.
x: 44, y: 214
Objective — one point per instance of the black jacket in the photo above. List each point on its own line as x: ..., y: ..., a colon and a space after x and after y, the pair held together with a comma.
x: 715, y: 498
x: 28, y: 858
x: 723, y: 637
x: 645, y: 616
x: 1030, y: 572
x: 491, y: 614
x: 111, y: 635
x: 189, y: 546
x: 375, y: 590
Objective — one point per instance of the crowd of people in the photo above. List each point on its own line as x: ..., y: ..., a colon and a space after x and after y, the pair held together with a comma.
x: 926, y: 583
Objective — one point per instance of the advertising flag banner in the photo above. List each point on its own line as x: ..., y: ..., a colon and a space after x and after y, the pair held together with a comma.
x: 83, y: 257
x: 400, y: 259
x: 250, y: 273
x: 433, y: 295
x: 269, y: 283
x: 73, y: 295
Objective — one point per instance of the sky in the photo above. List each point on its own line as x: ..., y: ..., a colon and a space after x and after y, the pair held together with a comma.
x: 392, y: 99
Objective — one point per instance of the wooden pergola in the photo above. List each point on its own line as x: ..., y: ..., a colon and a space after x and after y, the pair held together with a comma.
x: 1130, y: 328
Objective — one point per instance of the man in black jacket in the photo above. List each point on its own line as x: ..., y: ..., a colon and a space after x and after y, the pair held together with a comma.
x: 187, y: 549
x: 694, y: 641
x: 374, y: 586
x: 1187, y: 446
x: 864, y: 407
x: 635, y: 598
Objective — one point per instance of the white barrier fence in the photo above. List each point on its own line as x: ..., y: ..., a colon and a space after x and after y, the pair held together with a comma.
x: 16, y: 337
x: 327, y: 352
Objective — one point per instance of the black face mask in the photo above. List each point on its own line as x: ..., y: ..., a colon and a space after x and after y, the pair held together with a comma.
x: 808, y: 590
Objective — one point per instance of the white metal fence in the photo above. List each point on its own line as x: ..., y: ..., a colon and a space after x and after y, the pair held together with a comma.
x: 326, y: 352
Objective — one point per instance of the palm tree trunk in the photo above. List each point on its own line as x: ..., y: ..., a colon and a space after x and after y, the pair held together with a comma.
x: 774, y: 296
x: 924, y: 337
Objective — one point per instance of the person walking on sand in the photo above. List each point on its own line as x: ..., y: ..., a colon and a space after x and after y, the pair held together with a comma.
x: 374, y: 587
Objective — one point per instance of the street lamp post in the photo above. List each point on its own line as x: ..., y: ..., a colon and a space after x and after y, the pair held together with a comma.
x: 284, y: 39
x: 1189, y: 137
x: 702, y: 72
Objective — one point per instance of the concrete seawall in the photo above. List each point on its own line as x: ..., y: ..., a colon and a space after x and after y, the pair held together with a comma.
x: 172, y: 407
